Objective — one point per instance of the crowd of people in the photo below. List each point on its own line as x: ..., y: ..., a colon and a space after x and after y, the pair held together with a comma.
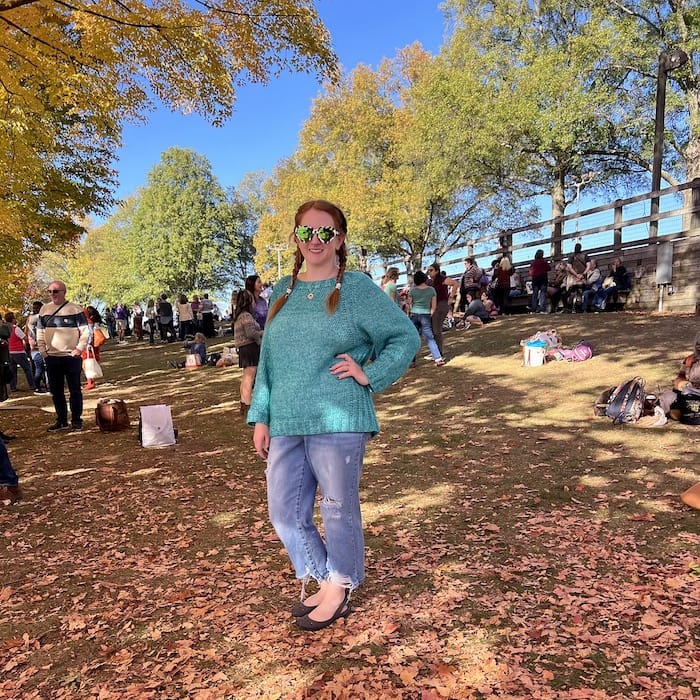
x: 163, y: 319
x: 575, y: 284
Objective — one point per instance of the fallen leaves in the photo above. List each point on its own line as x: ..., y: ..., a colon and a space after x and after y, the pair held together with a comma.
x: 513, y: 573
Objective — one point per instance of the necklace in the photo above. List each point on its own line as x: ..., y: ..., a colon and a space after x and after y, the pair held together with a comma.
x: 313, y: 287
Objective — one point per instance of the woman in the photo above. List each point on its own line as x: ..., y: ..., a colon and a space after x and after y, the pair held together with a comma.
x: 194, y: 305
x: 151, y: 320
x: 389, y: 284
x: 121, y: 318
x: 185, y: 317
x: 476, y: 313
x: 18, y: 353
x: 556, y: 289
x: 254, y: 285
x: 539, y: 272
x: 445, y: 287
x: 501, y: 283
x: 312, y: 405
x: 94, y: 320
x: 137, y: 316
x: 423, y: 303
x: 247, y: 336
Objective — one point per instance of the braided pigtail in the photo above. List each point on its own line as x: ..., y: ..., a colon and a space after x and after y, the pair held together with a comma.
x: 334, y: 296
x: 274, y: 309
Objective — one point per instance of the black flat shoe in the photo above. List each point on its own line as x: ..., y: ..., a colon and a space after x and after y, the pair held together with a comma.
x: 299, y: 609
x: 306, y: 623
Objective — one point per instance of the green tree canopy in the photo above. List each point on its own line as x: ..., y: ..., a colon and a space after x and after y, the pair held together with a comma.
x: 181, y: 232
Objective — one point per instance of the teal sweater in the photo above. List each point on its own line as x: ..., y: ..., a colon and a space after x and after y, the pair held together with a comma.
x: 295, y: 391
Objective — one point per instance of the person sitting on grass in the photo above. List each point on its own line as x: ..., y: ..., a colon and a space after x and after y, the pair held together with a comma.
x: 687, y: 382
x: 476, y: 313
x: 197, y: 346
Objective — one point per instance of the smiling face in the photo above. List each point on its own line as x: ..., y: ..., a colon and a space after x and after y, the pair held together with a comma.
x: 57, y: 292
x: 320, y: 256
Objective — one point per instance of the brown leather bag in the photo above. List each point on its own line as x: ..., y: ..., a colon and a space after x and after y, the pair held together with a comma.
x: 112, y: 415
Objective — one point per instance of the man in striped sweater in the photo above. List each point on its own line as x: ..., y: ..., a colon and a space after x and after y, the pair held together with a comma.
x: 62, y: 336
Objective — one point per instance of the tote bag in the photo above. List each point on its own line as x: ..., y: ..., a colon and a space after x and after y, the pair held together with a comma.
x: 156, y: 426
x: 91, y: 366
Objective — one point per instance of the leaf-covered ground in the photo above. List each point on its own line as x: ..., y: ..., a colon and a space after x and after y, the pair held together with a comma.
x: 517, y: 547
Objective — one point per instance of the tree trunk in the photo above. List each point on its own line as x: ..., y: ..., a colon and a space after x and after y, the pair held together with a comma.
x: 558, y: 207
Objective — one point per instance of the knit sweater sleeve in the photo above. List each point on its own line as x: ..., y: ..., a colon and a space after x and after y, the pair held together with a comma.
x: 395, y: 338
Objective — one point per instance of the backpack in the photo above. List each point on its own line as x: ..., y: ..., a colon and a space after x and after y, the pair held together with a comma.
x: 112, y: 415
x: 626, y: 402
x: 580, y: 352
x: 213, y: 358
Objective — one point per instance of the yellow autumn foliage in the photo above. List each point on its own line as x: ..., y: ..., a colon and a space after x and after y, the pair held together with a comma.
x: 72, y: 74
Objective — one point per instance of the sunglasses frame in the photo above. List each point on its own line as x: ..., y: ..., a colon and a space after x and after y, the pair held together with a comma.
x: 317, y: 232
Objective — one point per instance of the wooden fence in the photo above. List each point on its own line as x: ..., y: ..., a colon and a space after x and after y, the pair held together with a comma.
x: 665, y: 267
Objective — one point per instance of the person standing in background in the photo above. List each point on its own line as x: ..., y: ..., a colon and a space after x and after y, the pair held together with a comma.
x: 121, y: 318
x: 40, y: 382
x: 247, y: 336
x: 206, y: 309
x: 254, y: 285
x: 470, y: 282
x: 185, y: 318
x: 539, y: 272
x: 389, y: 284
x: 444, y: 287
x: 62, y: 337
x: 137, y: 315
x: 151, y: 318
x: 423, y: 302
x: 18, y: 353
x: 165, y: 319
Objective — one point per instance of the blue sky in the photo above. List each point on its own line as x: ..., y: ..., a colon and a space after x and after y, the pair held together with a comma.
x: 267, y: 119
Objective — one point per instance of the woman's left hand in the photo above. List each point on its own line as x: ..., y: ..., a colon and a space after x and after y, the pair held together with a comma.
x: 347, y: 367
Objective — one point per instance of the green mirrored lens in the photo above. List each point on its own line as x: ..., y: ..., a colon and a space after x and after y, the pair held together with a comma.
x: 305, y: 233
x: 325, y: 234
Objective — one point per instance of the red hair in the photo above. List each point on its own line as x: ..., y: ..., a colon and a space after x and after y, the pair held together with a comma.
x: 340, y: 223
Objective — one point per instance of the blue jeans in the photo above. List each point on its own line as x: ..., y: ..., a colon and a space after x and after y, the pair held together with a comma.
x: 539, y: 296
x: 296, y: 466
x: 39, y: 369
x: 60, y: 371
x: 424, y: 325
x: 8, y: 477
x: 20, y: 359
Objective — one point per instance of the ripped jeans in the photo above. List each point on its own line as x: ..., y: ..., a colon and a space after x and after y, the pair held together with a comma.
x: 296, y: 466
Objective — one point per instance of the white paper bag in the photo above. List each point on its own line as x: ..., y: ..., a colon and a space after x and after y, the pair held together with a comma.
x: 156, y: 426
